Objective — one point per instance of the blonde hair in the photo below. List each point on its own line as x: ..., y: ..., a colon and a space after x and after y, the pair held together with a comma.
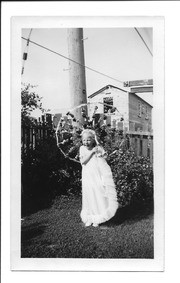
x: 90, y: 133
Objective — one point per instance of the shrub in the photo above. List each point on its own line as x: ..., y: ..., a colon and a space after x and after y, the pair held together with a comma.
x: 46, y: 173
x: 133, y: 177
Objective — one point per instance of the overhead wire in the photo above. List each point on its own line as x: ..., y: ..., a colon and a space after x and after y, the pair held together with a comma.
x: 65, y: 57
x: 143, y: 41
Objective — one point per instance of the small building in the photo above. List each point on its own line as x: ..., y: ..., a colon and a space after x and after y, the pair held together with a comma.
x: 123, y: 109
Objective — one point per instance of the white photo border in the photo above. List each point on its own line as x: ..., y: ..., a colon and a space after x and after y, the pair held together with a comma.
x: 52, y: 264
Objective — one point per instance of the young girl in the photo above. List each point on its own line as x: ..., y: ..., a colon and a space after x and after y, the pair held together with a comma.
x: 99, y: 198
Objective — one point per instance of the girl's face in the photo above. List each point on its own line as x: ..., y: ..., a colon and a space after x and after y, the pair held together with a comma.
x: 88, y: 141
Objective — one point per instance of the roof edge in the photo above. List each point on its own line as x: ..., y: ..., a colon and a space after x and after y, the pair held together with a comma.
x: 133, y: 93
x: 104, y: 88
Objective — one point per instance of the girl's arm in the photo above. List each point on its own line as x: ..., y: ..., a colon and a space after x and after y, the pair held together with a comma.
x: 84, y: 159
x: 101, y: 152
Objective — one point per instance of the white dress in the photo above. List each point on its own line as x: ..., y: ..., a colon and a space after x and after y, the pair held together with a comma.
x: 99, y: 197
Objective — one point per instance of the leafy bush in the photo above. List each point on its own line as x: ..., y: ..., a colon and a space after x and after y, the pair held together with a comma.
x: 46, y: 173
x: 133, y: 177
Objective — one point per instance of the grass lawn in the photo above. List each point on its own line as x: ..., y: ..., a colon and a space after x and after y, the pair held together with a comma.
x: 57, y: 232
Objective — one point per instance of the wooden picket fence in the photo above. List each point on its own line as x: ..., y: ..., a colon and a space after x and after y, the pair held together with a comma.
x: 142, y: 143
x: 30, y: 136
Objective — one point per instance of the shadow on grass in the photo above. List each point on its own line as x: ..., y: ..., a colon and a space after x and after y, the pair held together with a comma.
x: 31, y: 231
x: 130, y: 214
x: 33, y: 205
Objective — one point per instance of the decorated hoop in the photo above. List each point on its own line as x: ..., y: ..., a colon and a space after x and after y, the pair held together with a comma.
x: 61, y: 131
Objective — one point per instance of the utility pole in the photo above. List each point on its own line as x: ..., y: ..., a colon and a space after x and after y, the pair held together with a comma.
x: 77, y: 78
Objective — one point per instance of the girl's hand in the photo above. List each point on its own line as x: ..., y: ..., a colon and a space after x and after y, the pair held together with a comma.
x: 104, y: 155
x: 95, y: 149
x: 99, y: 151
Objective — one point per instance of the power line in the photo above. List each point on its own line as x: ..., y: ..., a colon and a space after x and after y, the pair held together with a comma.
x: 65, y: 57
x: 143, y: 41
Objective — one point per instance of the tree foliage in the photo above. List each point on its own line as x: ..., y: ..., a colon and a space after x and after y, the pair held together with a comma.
x: 30, y: 101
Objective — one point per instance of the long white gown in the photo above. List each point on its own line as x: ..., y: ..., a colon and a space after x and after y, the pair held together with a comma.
x: 99, y: 197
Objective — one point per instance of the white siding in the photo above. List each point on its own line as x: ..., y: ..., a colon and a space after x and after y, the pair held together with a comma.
x: 120, y: 101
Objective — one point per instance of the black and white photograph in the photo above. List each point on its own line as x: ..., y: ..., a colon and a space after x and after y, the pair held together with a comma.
x: 85, y: 151
x: 87, y: 143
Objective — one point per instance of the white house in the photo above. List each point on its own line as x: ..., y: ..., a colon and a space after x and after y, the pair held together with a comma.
x: 132, y: 112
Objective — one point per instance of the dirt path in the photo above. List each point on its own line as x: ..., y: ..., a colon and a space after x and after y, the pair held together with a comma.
x: 59, y: 233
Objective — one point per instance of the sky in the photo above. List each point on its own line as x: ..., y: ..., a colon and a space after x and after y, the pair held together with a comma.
x: 117, y: 52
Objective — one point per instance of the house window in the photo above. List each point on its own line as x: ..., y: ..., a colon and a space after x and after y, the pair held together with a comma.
x: 108, y: 103
x: 147, y: 114
x: 139, y: 108
x: 143, y: 110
